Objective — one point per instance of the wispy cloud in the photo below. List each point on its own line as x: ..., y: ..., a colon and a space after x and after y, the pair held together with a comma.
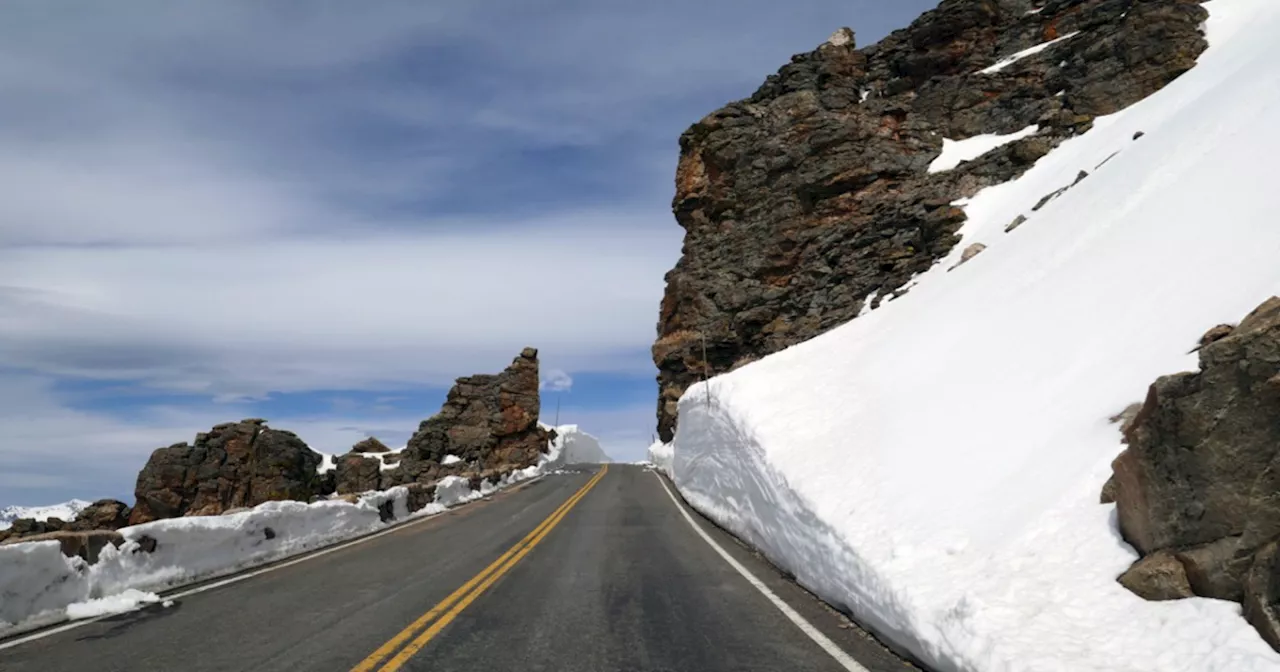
x: 556, y: 380
x: 236, y: 198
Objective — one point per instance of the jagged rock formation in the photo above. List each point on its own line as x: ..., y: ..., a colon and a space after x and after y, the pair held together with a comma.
x: 232, y: 465
x: 490, y: 421
x: 802, y: 201
x: 1197, y: 483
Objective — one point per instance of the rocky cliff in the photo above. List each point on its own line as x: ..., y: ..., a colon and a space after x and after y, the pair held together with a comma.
x: 233, y: 465
x: 490, y: 421
x: 814, y: 196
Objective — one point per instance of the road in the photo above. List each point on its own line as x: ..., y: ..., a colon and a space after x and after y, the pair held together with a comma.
x: 588, y: 571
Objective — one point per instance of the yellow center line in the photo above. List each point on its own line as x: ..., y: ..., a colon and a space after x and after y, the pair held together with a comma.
x: 488, y: 576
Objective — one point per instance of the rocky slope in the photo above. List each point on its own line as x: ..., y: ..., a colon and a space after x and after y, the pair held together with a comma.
x: 1196, y: 488
x: 814, y: 197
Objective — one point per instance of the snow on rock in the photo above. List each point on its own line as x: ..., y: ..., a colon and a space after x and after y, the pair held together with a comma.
x: 1010, y: 60
x: 451, y: 459
x: 934, y: 465
x: 454, y: 490
x: 661, y: 456
x: 956, y: 152
x: 67, y: 511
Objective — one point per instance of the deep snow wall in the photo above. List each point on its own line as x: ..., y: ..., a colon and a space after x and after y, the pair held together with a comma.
x: 935, y: 464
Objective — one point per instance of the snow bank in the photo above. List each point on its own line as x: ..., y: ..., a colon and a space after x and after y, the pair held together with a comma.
x: 66, y: 511
x: 36, y: 577
x: 935, y: 464
x: 574, y: 446
x: 661, y: 456
x: 956, y: 152
x: 38, y: 585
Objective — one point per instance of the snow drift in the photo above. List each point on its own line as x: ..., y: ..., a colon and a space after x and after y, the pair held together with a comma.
x: 934, y: 465
x: 574, y: 446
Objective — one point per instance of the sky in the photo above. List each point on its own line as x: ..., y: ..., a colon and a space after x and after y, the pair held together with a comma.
x: 322, y: 213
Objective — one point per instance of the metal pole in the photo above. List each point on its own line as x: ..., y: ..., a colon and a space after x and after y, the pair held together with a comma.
x: 706, y: 368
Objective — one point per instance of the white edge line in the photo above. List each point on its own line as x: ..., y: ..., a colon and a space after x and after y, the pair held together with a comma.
x: 805, y: 626
x: 308, y: 555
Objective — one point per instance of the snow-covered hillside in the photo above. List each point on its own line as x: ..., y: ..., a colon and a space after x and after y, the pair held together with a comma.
x: 935, y: 464
x: 574, y: 446
x: 67, y: 511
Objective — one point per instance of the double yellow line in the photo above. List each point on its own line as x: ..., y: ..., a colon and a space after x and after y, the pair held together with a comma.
x: 442, y: 614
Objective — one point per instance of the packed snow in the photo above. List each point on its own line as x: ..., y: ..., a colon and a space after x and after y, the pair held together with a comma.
x: 662, y: 457
x: 38, y: 585
x: 1010, y: 60
x: 450, y: 459
x: 956, y: 152
x: 67, y: 511
x: 935, y: 464
x: 112, y: 604
x: 574, y: 446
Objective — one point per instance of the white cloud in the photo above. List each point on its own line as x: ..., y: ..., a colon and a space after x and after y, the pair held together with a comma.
x: 555, y: 380
x: 234, y: 198
x: 231, y: 319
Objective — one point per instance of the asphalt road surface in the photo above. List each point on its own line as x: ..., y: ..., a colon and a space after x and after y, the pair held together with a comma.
x: 590, y: 571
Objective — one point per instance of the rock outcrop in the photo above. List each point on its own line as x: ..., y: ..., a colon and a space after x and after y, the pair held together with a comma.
x: 370, y: 445
x: 1200, y: 476
x: 488, y: 420
x: 104, y: 514
x: 814, y: 194
x: 232, y: 465
x: 356, y: 473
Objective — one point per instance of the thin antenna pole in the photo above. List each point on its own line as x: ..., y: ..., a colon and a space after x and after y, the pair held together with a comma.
x: 557, y: 409
x: 706, y: 368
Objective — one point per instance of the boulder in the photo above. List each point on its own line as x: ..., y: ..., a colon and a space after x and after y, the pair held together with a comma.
x: 802, y: 200
x: 1262, y: 595
x: 490, y: 420
x: 23, y: 528
x: 104, y: 514
x: 232, y: 465
x: 355, y: 473
x: 370, y: 445
x: 420, y: 495
x: 1159, y: 576
x: 1202, y: 468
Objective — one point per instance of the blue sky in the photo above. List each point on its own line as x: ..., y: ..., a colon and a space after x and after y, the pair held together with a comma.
x: 322, y: 212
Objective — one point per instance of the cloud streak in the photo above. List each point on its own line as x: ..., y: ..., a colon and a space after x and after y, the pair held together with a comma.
x: 231, y: 199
